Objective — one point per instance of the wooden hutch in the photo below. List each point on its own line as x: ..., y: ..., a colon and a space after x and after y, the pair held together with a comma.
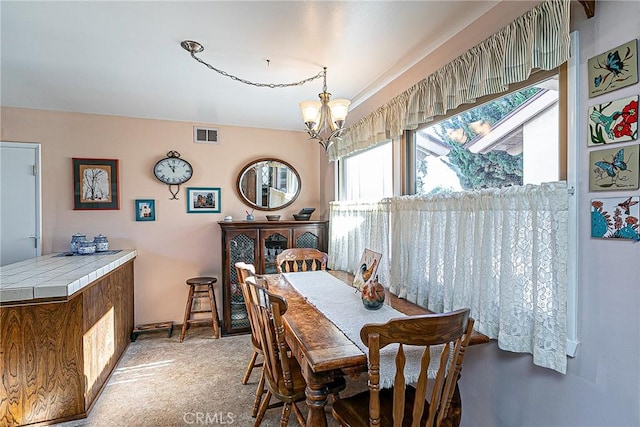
x: 258, y: 243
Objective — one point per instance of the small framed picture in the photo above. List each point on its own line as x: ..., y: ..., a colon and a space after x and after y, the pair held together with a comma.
x: 203, y: 200
x: 145, y: 210
x: 614, y: 121
x: 614, y: 169
x: 613, y: 69
x: 95, y: 184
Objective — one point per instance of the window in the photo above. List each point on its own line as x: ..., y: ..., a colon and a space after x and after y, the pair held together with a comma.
x: 427, y: 167
x: 367, y: 175
x: 510, y: 140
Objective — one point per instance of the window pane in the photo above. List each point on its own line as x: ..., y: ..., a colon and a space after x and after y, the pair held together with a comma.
x: 368, y: 175
x: 511, y: 140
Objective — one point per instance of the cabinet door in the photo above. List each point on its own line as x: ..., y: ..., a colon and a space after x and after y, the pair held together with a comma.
x: 272, y: 242
x: 310, y: 237
x: 240, y: 245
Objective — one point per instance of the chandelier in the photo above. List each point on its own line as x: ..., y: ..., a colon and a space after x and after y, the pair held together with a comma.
x: 324, y: 120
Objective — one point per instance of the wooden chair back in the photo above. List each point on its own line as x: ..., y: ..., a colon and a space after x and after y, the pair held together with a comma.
x: 453, y: 330
x: 268, y: 310
x: 244, y: 270
x: 247, y: 271
x: 301, y: 259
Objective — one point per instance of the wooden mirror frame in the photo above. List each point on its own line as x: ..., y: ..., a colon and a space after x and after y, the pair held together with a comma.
x: 252, y: 165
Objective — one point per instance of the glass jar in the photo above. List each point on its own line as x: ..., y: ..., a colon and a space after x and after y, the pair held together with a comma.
x: 75, y: 239
x: 102, y: 244
x: 86, y: 247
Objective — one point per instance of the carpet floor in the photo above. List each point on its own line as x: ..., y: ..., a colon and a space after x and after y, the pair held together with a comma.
x: 162, y: 382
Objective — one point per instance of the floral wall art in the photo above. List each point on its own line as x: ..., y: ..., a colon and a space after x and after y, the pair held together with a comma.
x: 614, y: 69
x: 615, y: 121
x: 614, y: 169
x: 615, y: 218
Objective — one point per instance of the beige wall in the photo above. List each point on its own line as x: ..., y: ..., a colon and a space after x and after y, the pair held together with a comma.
x: 177, y: 245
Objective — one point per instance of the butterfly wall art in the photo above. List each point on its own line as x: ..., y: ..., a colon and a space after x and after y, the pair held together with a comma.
x: 615, y: 121
x: 615, y: 218
x: 614, y: 169
x: 613, y: 69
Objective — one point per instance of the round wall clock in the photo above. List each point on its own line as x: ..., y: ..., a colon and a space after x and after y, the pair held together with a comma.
x: 173, y: 171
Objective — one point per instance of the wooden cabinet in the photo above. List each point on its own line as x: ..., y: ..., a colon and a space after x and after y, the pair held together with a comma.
x: 56, y: 356
x: 258, y: 243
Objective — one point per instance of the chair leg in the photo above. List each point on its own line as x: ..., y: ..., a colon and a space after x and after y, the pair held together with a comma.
x: 284, y: 419
x: 250, y: 366
x: 214, y: 312
x: 187, y: 314
x: 299, y: 415
x: 263, y: 408
x: 259, y: 393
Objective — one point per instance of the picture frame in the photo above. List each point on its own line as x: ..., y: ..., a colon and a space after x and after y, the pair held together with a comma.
x: 614, y: 169
x: 203, y: 200
x: 614, y: 121
x: 95, y: 184
x: 145, y: 209
x: 614, y: 69
x: 616, y: 218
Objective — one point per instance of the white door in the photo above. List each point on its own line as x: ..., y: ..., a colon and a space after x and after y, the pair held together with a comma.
x: 20, y: 199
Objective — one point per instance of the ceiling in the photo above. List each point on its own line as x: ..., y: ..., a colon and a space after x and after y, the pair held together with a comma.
x: 124, y: 58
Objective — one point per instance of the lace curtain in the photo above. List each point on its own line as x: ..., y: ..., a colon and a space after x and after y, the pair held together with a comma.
x: 354, y: 227
x: 500, y: 252
x: 538, y: 39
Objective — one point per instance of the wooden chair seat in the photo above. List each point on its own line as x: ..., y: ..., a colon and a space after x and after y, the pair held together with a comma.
x: 356, y: 409
x: 434, y: 402
x: 301, y: 259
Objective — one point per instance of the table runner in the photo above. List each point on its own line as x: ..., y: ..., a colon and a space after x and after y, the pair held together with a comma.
x: 342, y: 305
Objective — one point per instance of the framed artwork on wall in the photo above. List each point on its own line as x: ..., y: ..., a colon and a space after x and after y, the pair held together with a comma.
x: 145, y: 210
x: 615, y: 121
x: 203, y: 200
x: 615, y: 218
x: 95, y: 184
x: 613, y: 69
x: 614, y: 169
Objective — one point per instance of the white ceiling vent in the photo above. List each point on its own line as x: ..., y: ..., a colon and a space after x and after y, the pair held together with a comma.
x: 205, y: 135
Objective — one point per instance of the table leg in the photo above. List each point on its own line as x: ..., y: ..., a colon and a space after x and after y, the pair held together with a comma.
x: 316, y: 401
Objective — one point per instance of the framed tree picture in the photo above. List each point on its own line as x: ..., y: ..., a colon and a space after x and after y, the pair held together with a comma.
x: 95, y: 184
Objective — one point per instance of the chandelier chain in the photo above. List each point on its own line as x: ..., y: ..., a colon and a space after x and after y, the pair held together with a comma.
x: 269, y: 85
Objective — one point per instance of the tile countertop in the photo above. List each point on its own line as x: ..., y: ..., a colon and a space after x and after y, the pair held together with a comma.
x: 56, y: 275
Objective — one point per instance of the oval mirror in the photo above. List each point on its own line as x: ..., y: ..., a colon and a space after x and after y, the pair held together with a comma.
x: 268, y: 184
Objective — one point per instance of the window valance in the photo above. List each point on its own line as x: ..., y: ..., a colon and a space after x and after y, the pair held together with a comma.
x: 538, y: 39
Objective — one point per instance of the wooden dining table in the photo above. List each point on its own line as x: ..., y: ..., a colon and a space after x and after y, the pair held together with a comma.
x: 323, y: 350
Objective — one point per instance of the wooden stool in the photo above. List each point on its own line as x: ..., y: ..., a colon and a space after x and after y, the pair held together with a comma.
x: 195, y: 292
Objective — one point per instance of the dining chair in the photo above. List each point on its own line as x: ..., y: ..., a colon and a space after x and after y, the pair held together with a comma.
x: 282, y: 372
x: 301, y: 259
x: 409, y: 405
x: 246, y: 272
